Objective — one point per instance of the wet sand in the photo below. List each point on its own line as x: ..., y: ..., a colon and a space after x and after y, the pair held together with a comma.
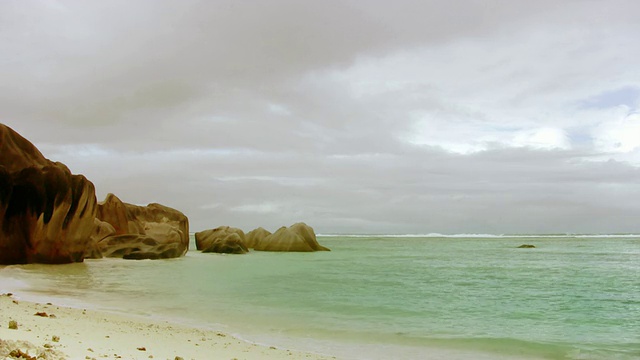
x: 56, y: 332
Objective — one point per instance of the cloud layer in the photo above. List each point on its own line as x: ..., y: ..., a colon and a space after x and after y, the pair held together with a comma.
x: 354, y: 116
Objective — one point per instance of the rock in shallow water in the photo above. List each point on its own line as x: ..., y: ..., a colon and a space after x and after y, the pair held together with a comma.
x: 46, y: 213
x: 223, y: 239
x: 139, y: 232
x: 299, y: 237
x: 255, y: 236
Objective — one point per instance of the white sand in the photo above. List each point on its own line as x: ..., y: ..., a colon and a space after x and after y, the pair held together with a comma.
x: 86, y: 334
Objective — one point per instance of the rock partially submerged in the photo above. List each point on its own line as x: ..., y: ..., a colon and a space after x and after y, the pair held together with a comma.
x: 46, y: 213
x: 255, y: 236
x: 526, y: 246
x: 49, y: 215
x: 299, y: 237
x: 138, y: 232
x: 223, y: 239
x: 101, y: 230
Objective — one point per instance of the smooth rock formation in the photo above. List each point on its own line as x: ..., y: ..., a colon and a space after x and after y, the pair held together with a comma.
x: 139, y: 232
x: 46, y: 213
x: 101, y: 231
x: 223, y: 239
x: 298, y: 237
x: 255, y: 236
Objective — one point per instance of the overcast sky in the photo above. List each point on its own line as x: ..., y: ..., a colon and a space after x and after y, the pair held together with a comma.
x: 426, y: 116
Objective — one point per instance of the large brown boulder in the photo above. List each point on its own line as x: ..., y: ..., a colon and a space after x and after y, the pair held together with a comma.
x: 114, y: 212
x: 101, y: 231
x: 17, y: 152
x: 223, y: 239
x: 298, y: 237
x: 46, y: 213
x: 139, y: 232
x: 255, y: 236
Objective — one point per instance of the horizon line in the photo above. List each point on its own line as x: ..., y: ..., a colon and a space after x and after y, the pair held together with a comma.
x: 473, y: 235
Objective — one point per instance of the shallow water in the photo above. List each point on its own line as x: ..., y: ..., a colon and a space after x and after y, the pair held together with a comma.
x: 381, y: 297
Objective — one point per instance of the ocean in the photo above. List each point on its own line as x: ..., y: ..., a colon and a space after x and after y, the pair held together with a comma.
x: 382, y: 297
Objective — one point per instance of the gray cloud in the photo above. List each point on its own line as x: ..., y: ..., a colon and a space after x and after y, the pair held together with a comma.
x: 354, y: 116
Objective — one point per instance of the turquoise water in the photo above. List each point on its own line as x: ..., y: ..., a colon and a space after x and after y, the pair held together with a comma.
x: 384, y: 297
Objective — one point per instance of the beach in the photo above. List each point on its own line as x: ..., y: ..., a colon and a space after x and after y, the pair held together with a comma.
x: 353, y: 180
x: 57, y: 332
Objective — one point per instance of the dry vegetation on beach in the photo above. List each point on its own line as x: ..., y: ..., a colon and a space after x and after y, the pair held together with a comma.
x: 46, y: 331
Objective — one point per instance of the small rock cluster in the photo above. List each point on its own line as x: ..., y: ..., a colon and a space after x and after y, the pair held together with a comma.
x: 298, y: 237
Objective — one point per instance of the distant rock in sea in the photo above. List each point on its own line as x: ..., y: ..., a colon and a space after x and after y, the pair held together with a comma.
x: 46, y: 212
x: 223, y: 239
x: 138, y: 232
x: 255, y: 236
x: 526, y: 246
x: 299, y: 237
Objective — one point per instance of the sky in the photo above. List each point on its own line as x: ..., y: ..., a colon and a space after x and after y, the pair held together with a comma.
x: 363, y: 117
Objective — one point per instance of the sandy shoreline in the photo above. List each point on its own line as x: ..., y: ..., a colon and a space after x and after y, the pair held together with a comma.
x: 68, y: 333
